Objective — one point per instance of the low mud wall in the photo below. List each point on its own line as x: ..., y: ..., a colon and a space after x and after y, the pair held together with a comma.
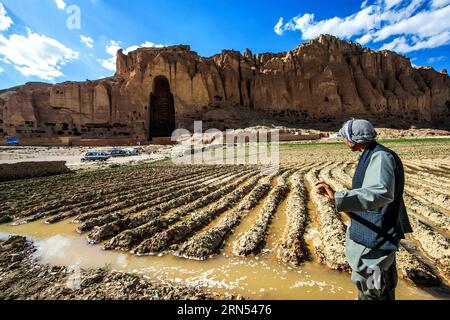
x: 163, y: 141
x: 23, y: 170
x: 299, y: 137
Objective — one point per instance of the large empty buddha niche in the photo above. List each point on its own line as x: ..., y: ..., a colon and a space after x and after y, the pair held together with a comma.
x: 162, y: 110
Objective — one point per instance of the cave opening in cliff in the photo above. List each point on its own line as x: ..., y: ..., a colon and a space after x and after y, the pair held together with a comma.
x: 162, y: 109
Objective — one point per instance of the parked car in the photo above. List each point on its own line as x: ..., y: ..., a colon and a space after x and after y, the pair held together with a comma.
x: 12, y: 141
x: 95, y: 156
x: 132, y: 151
x: 117, y: 153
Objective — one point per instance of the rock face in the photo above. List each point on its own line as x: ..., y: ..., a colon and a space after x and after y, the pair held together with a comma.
x: 155, y: 90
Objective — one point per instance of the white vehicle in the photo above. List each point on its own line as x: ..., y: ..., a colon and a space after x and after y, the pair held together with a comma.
x: 131, y: 151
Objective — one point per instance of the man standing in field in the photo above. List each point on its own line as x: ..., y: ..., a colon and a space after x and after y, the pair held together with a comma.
x: 377, y: 211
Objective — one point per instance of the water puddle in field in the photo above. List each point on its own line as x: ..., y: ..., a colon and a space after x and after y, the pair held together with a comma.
x: 312, y: 231
x: 255, y: 277
x: 246, y: 223
x: 276, y: 227
x: 219, y: 219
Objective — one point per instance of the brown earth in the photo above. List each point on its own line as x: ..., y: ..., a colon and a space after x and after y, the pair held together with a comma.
x: 155, y: 90
x: 23, y: 278
x: 203, y: 212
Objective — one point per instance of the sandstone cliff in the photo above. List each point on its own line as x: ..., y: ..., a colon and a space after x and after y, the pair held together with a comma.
x: 319, y: 83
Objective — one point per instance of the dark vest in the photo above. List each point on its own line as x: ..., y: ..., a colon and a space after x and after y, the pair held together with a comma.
x: 381, y: 228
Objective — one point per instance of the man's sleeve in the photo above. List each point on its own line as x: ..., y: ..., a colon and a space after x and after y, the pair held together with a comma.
x: 378, y: 188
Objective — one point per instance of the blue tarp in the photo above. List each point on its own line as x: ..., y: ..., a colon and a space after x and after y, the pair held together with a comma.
x: 12, y: 141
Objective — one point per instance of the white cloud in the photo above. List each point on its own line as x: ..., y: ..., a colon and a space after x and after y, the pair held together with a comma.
x: 111, y: 50
x: 88, y: 41
x: 402, y: 45
x: 36, y: 55
x: 278, y: 27
x: 436, y: 59
x: 365, y: 39
x: 439, y: 3
x: 423, y: 24
x: 5, y: 21
x: 356, y: 24
x: 415, y: 24
x: 146, y: 44
x: 60, y: 4
x: 392, y: 3
x: 114, y: 46
x: 2, y: 70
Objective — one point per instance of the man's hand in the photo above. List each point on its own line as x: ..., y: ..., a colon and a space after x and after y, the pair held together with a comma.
x: 324, y: 189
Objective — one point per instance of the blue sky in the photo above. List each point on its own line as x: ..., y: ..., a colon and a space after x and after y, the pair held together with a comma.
x: 37, y: 45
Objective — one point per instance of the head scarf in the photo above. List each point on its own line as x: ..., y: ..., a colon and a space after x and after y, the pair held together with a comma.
x: 358, y: 131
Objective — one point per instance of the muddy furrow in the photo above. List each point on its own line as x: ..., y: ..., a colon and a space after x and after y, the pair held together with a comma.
x: 440, y: 163
x: 438, y: 190
x: 434, y: 169
x: 205, y: 244
x: 70, y: 193
x: 48, y: 186
x: 127, y: 195
x: 148, y: 198
x: 77, y: 196
x: 442, y: 202
x: 339, y: 174
x: 313, y: 226
x: 128, y: 232
x: 442, y: 183
x: 171, y: 200
x: 325, y: 175
x: 435, y: 245
x: 293, y: 249
x: 254, y: 239
x: 412, y: 268
x: 332, y: 229
x: 182, y: 230
x: 429, y: 179
x: 438, y: 218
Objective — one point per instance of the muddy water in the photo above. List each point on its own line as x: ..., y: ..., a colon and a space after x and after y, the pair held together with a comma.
x: 220, y: 218
x: 312, y: 232
x: 276, y: 227
x: 59, y: 244
x: 246, y: 223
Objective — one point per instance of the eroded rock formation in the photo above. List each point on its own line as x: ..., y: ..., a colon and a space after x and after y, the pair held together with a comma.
x: 322, y: 82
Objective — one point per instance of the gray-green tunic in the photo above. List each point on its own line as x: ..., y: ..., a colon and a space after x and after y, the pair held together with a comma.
x: 378, y: 190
